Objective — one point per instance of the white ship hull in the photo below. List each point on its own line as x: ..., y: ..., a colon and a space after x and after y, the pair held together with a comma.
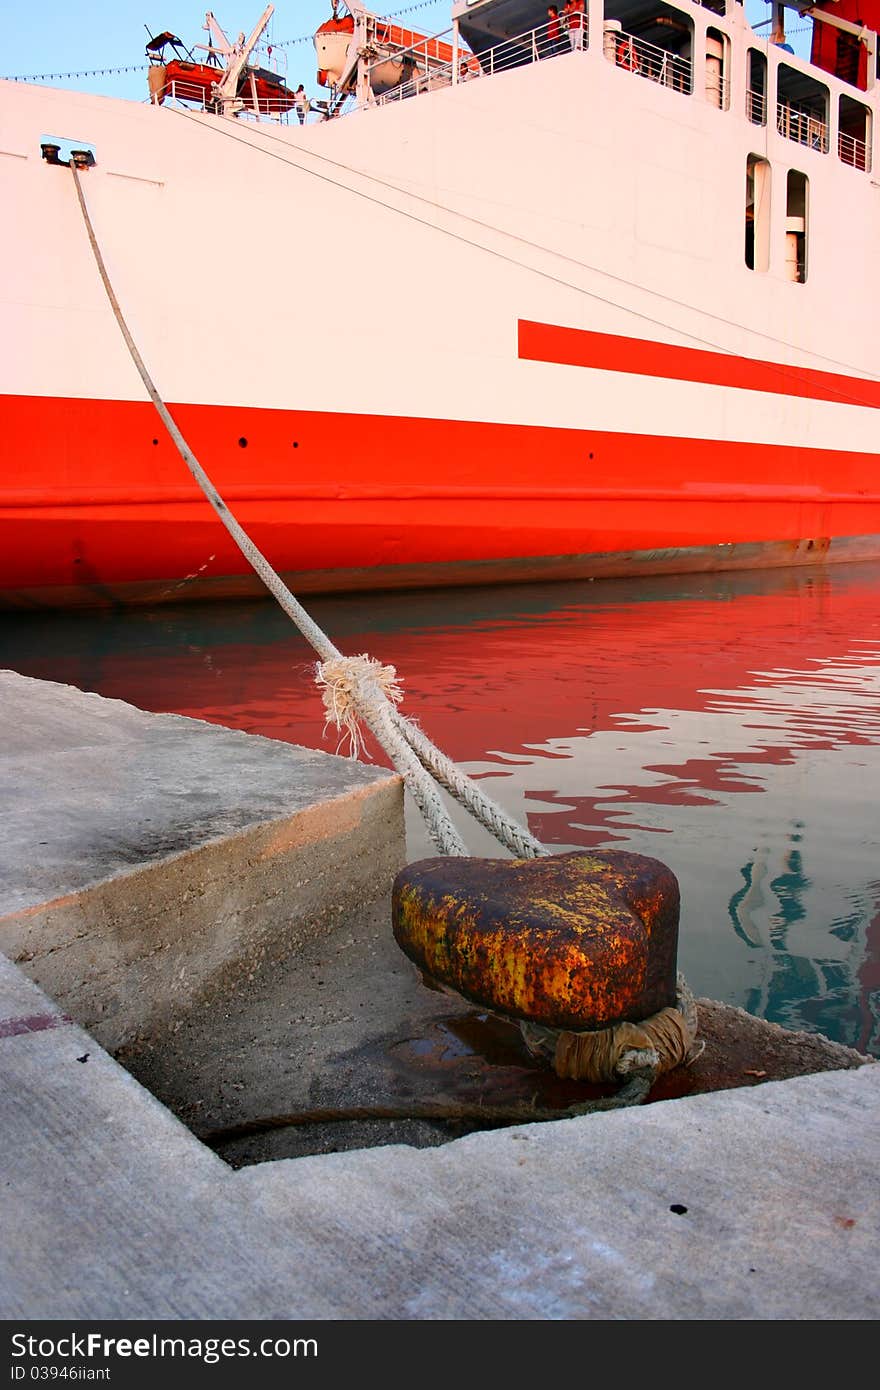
x: 502, y: 327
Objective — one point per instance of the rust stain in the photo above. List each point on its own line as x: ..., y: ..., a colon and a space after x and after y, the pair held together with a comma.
x: 572, y: 941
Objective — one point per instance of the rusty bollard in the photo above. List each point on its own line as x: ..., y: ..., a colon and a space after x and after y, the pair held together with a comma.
x: 576, y: 941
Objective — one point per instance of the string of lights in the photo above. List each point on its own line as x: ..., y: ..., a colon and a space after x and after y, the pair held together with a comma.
x: 83, y: 72
x: 142, y: 67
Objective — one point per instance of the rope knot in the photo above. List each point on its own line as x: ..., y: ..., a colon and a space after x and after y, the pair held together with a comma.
x: 665, y: 1040
x: 350, y: 686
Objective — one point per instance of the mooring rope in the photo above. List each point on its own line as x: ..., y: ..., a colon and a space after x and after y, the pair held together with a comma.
x: 449, y: 1111
x: 358, y: 685
x: 350, y: 680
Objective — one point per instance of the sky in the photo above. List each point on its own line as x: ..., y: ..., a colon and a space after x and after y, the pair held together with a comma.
x: 105, y: 37
x: 57, y: 37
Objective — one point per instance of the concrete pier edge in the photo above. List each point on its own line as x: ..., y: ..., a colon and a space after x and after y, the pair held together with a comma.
x: 755, y: 1203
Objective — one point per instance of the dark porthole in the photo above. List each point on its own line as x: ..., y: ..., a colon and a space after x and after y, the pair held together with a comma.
x: 242, y: 443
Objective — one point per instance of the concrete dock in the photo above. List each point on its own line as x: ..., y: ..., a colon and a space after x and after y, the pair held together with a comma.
x: 152, y: 870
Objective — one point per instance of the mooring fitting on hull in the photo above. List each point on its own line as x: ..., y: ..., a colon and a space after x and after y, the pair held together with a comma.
x: 579, y: 948
x: 50, y: 153
x: 82, y: 159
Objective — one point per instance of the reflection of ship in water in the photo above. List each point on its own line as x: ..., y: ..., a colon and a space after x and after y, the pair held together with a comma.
x: 729, y: 726
x: 761, y: 797
x: 796, y: 988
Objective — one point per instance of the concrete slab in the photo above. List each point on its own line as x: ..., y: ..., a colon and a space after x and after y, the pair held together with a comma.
x: 108, y: 1206
x: 177, y: 854
x: 747, y: 1204
x: 750, y: 1204
x: 144, y: 857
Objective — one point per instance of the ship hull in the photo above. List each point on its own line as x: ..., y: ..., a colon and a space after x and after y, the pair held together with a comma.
x: 134, y: 526
x: 95, y: 592
x: 406, y: 356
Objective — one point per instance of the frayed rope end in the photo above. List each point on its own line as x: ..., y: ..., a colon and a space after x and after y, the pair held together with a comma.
x: 350, y: 685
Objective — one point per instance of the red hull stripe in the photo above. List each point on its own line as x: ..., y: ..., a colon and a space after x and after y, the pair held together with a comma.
x: 95, y: 495
x: 577, y: 347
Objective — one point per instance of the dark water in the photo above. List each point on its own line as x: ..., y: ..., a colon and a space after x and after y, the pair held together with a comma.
x: 728, y: 725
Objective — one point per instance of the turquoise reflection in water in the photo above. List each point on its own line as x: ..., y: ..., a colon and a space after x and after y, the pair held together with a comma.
x: 728, y: 725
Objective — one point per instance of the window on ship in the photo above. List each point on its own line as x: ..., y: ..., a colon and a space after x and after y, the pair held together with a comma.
x: 757, y: 213
x: 756, y: 92
x: 802, y: 108
x: 653, y: 40
x: 717, y: 65
x: 796, y: 213
x: 849, y: 52
x: 854, y: 133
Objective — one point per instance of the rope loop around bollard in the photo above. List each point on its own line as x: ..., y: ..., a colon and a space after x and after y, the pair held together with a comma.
x: 622, y: 1051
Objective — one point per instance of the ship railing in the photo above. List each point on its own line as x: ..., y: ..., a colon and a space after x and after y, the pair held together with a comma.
x: 440, y: 75
x: 803, y: 124
x: 532, y: 46
x: 756, y: 107
x: 643, y: 59
x: 278, y: 109
x: 180, y: 93
x: 319, y: 110
x: 854, y: 151
x: 335, y: 105
x: 424, y: 60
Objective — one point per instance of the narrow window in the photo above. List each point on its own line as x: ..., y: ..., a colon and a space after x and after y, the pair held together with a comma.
x: 849, y: 53
x: 854, y: 133
x: 802, y: 108
x: 757, y: 213
x: 756, y: 93
x: 716, y: 69
x: 796, y: 209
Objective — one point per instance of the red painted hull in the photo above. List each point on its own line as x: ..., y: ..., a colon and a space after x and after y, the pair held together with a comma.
x: 337, y: 501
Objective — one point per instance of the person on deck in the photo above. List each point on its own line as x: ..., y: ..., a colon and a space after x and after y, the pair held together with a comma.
x: 302, y: 103
x: 573, y: 12
x: 553, y: 41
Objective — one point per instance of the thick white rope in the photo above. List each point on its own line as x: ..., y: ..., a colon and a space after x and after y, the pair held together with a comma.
x: 357, y: 683
x: 343, y: 707
x: 361, y: 687
x: 339, y: 686
x: 506, y: 830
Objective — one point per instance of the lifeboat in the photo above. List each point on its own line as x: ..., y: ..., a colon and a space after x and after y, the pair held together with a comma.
x: 332, y: 40
x: 174, y: 71
x: 349, y: 45
x: 196, y: 82
x: 337, y: 61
